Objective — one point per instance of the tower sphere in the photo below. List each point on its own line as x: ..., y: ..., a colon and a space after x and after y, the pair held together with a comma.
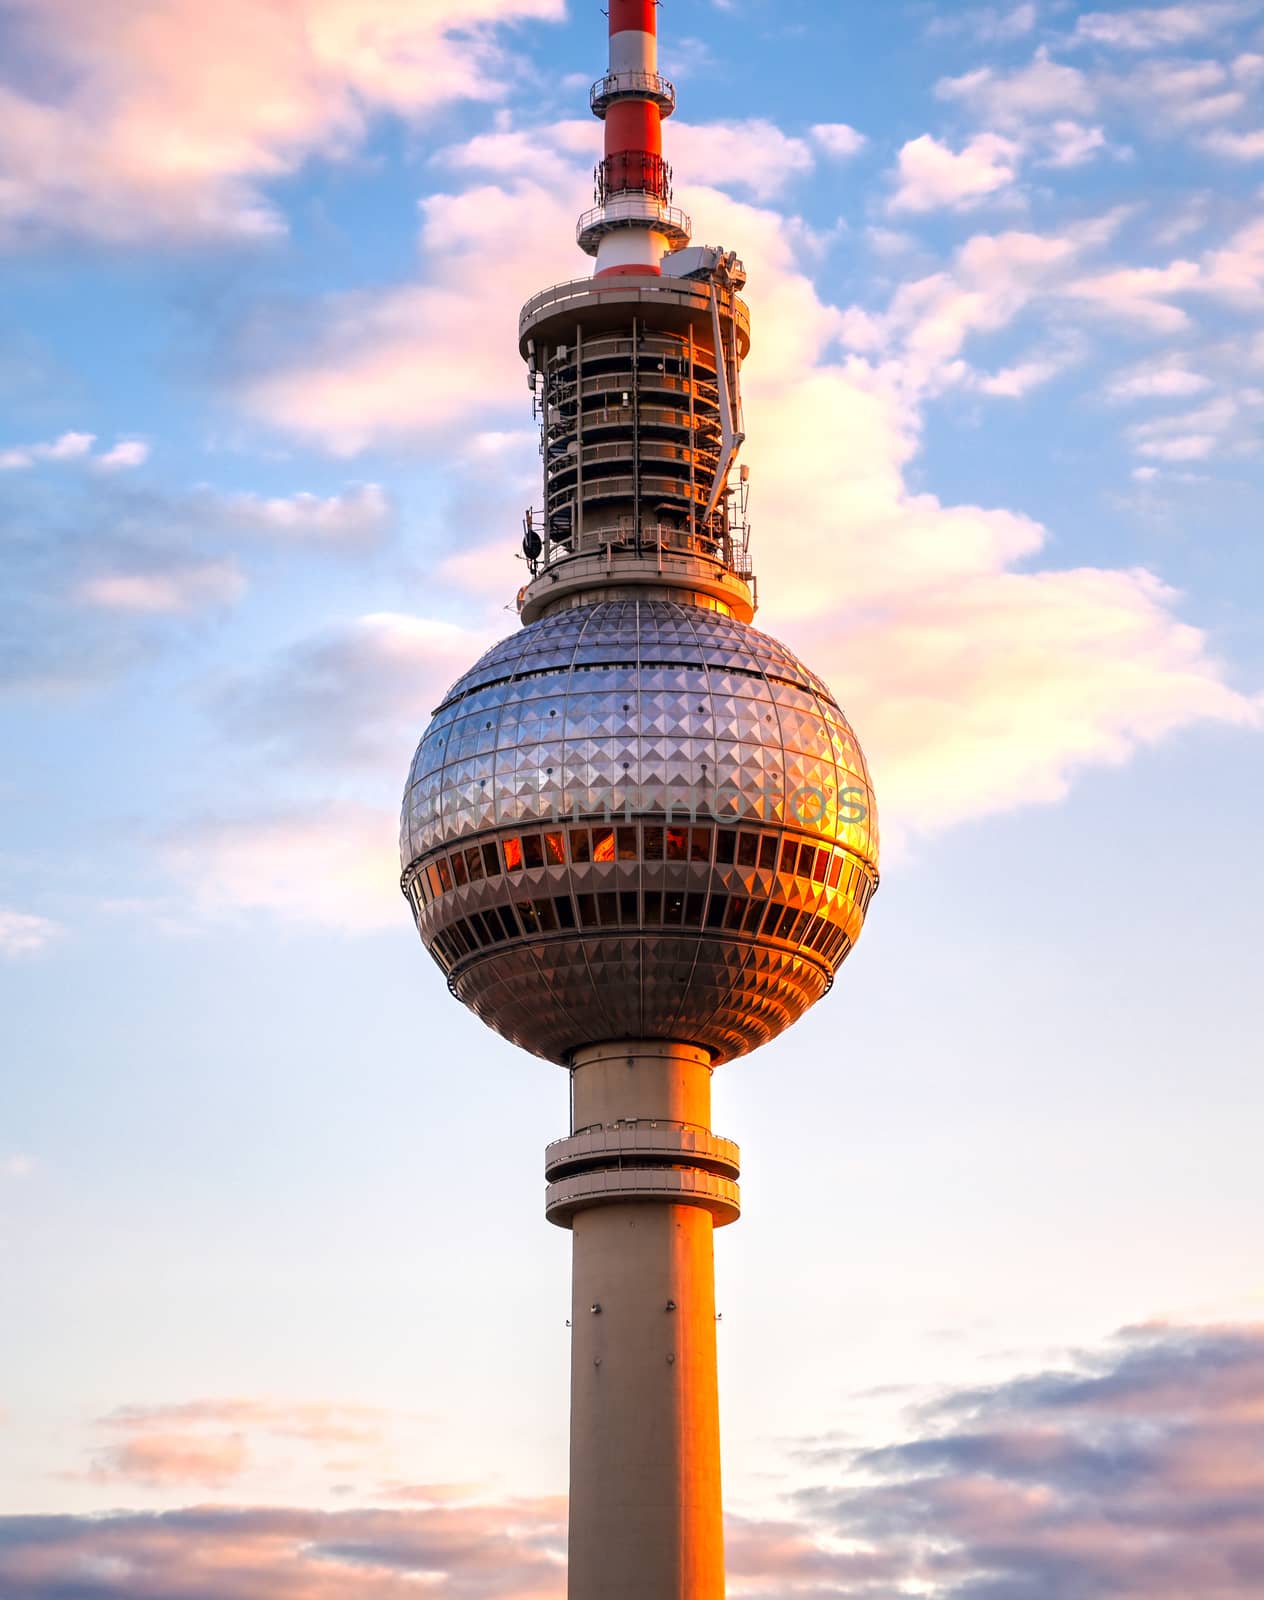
x: 639, y: 819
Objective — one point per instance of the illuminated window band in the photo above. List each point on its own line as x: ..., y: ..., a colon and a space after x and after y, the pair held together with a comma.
x: 527, y: 914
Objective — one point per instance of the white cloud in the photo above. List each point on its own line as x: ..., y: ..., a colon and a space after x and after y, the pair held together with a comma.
x: 1012, y: 383
x: 172, y: 591
x: 838, y: 139
x: 22, y: 934
x: 126, y: 453
x: 1044, y: 88
x: 754, y: 155
x: 1168, y: 379
x: 931, y: 176
x: 1236, y: 146
x: 1139, y: 294
x: 1190, y: 435
x: 1071, y: 144
x: 172, y: 117
x: 1154, y: 27
x: 16, y: 1167
x: 988, y: 24
x: 68, y: 447
x: 355, y: 517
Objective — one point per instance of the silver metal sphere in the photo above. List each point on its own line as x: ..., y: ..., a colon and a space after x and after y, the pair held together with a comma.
x: 639, y: 819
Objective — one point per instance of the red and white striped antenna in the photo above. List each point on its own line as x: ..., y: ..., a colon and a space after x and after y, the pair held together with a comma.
x: 634, y: 223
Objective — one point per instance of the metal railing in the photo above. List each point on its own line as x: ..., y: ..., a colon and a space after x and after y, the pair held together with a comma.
x: 637, y: 291
x: 632, y: 86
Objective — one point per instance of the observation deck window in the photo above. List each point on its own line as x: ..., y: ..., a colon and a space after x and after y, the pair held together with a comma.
x: 532, y: 850
x: 555, y: 849
x: 460, y: 874
x: 725, y: 847
x: 513, y: 855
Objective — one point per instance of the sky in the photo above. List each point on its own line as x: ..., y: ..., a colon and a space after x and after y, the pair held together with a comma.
x: 280, y: 1315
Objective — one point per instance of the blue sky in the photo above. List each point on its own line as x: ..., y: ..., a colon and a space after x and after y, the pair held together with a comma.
x: 271, y: 1230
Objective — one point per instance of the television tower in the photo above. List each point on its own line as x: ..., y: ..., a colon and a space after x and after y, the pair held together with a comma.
x: 639, y: 836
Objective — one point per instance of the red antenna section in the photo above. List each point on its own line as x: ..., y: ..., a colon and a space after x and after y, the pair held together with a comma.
x: 634, y: 223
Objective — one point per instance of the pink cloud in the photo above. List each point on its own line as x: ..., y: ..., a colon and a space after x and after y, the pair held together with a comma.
x: 146, y: 136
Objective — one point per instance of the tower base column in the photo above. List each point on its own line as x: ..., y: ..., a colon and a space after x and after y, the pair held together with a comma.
x: 647, y: 1185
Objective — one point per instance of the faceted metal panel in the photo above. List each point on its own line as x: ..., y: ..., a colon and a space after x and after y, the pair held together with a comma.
x: 631, y: 709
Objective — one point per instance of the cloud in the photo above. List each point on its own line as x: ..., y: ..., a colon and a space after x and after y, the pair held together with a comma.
x: 988, y: 24
x: 112, y: 127
x: 1157, y: 27
x: 212, y: 1444
x: 356, y: 517
x: 1190, y: 435
x: 334, y: 867
x: 1237, y: 146
x: 393, y: 365
x: 1135, y: 1473
x: 930, y: 176
x: 754, y: 155
x: 1041, y: 90
x: 126, y: 453
x: 1139, y: 294
x: 22, y: 934
x: 100, y: 570
x: 1166, y: 379
x: 160, y: 1461
x: 16, y: 1168
x: 175, y: 591
x: 357, y: 693
x: 68, y: 447
x: 508, y: 1551
x: 838, y: 140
